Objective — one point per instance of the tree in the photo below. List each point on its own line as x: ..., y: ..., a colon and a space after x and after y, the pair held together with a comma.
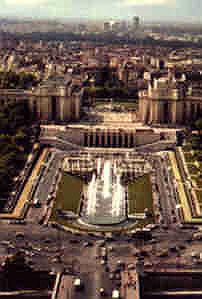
x: 15, y: 128
x: 13, y: 80
x: 198, y: 125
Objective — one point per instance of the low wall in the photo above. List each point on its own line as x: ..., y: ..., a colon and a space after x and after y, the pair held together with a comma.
x: 170, y: 282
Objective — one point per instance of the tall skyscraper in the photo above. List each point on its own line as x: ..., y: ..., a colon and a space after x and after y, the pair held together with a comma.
x: 136, y: 23
x: 107, y: 26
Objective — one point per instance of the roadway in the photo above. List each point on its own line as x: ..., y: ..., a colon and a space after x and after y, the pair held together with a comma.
x: 47, y: 248
x: 166, y: 191
x: 46, y: 183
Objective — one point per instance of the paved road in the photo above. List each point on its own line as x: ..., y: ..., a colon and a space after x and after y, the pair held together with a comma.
x: 45, y: 184
x: 164, y: 191
x: 47, y: 249
x: 66, y: 289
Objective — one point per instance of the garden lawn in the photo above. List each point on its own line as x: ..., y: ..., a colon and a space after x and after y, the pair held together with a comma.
x: 140, y: 195
x: 68, y: 195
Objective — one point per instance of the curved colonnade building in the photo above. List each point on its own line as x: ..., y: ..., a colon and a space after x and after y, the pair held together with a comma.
x: 56, y: 100
x: 167, y: 101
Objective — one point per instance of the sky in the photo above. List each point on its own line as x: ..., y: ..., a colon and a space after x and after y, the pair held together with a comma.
x: 148, y: 10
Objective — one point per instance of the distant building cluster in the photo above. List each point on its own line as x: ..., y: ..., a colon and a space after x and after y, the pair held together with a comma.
x: 122, y: 26
x: 167, y: 83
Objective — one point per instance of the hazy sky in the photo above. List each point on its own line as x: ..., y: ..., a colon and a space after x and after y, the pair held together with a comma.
x: 182, y: 10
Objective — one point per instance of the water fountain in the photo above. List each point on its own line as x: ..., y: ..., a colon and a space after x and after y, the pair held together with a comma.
x: 91, y: 195
x: 105, y: 195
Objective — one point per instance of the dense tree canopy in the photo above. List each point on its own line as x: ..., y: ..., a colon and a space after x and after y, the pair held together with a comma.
x: 15, y: 130
x: 198, y: 125
x: 109, y: 92
x: 12, y: 80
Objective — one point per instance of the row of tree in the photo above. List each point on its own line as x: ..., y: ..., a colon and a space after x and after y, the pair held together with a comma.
x: 109, y: 92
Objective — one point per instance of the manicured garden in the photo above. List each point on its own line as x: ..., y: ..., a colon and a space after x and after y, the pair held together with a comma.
x: 193, y: 169
x: 68, y: 196
x: 140, y: 195
x: 140, y: 198
x: 117, y: 104
x: 193, y: 156
x: 199, y: 195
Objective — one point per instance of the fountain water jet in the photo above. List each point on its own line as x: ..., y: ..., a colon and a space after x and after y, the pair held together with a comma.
x: 106, y: 197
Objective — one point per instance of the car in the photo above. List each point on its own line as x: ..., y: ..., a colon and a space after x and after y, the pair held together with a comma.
x: 173, y: 249
x: 54, y: 260
x: 103, y: 262
x: 91, y: 235
x: 194, y: 254
x: 163, y: 253
x: 19, y: 221
x: 102, y: 292
x: 174, y: 219
x: 109, y: 239
x: 188, y: 227
x: 120, y: 264
x: 117, y: 270
x: 111, y: 248
x: 30, y: 263
x: 131, y: 267
x: 107, y: 269
x: 74, y: 241
x: 111, y: 276
x: 189, y: 240
x: 36, y: 203
x: 118, y: 276
x: 11, y: 246
x: 103, y: 251
x: 100, y: 243
x: 19, y: 235
x: 78, y: 284
x: 118, y: 283
x: 87, y: 244
x: 49, y: 198
x: 144, y: 253
x: 115, y: 294
x: 5, y: 243
x: 153, y: 241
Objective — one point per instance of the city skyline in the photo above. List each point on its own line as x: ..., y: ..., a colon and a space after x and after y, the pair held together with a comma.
x: 148, y: 10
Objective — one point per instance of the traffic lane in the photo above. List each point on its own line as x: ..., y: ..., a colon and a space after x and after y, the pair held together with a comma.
x: 66, y: 287
x: 87, y: 266
x: 37, y: 235
x: 93, y: 282
x: 40, y: 233
x: 44, y: 186
x: 48, y: 179
x: 170, y: 189
x: 167, y: 216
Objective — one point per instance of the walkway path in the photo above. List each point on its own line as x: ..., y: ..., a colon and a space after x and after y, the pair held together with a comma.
x: 182, y: 195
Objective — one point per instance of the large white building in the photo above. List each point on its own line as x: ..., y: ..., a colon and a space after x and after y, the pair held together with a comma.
x: 170, y: 101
